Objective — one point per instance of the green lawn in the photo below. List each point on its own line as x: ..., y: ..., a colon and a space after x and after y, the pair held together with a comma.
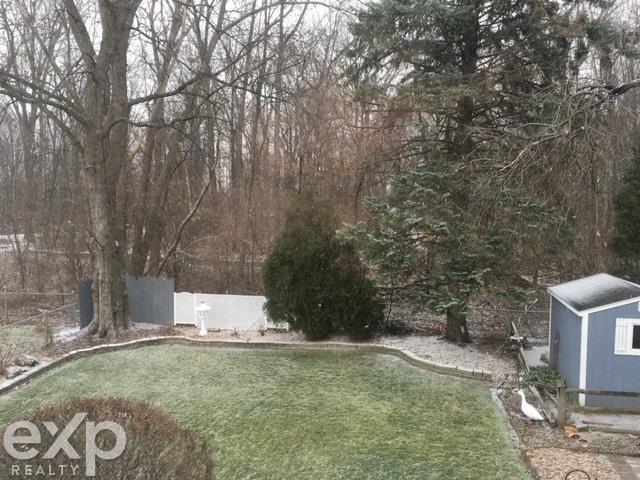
x: 294, y: 414
x: 25, y: 338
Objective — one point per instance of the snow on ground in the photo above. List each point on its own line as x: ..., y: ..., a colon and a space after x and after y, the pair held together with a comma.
x: 146, y: 326
x: 430, y: 348
x: 442, y: 351
x: 68, y: 334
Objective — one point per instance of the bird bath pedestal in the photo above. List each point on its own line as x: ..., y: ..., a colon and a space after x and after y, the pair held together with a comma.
x: 202, y: 310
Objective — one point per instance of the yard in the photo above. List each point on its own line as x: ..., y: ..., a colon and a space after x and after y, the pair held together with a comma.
x: 284, y: 414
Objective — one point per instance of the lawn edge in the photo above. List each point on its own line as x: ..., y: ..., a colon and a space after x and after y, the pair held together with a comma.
x: 405, y: 355
x: 512, y: 435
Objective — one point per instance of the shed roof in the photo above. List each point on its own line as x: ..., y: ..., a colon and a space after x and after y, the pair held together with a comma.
x: 595, y: 291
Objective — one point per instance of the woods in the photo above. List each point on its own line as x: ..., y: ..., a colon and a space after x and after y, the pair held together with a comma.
x: 166, y: 137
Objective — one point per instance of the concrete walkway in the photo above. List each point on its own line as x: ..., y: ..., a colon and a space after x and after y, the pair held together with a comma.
x: 609, y: 422
x: 627, y: 467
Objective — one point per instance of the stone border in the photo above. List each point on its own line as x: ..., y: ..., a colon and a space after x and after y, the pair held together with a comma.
x: 623, y: 469
x: 517, y: 443
x: 405, y: 355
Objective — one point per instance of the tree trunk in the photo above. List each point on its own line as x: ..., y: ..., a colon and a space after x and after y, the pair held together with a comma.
x: 104, y: 152
x: 108, y: 273
x: 457, y: 330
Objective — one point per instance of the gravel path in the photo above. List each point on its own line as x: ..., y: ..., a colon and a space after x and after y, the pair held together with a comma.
x: 441, y: 351
x: 428, y: 347
x: 556, y: 463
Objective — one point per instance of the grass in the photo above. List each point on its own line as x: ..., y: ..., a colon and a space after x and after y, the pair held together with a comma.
x: 25, y: 338
x: 294, y: 414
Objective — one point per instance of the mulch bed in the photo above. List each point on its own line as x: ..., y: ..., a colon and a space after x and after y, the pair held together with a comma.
x: 542, y: 435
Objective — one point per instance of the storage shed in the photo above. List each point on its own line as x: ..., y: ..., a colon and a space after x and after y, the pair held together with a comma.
x: 594, y: 338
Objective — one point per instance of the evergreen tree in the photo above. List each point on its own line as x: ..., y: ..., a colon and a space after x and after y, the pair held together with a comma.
x: 420, y: 243
x: 626, y: 243
x: 315, y: 282
x: 474, y: 65
x: 474, y: 72
x: 423, y: 244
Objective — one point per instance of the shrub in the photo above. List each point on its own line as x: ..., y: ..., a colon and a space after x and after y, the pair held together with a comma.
x: 156, y: 447
x: 7, y: 352
x: 315, y: 282
x: 46, y: 331
x: 543, y: 377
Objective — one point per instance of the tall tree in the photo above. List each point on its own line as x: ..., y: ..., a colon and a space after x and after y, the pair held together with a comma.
x: 97, y: 102
x: 480, y: 78
x: 104, y: 117
x: 471, y: 64
x: 626, y: 243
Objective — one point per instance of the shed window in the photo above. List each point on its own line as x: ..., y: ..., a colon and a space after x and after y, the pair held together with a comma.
x: 627, y: 341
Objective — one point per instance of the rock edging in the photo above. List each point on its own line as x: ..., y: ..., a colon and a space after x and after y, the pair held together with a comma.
x: 405, y: 355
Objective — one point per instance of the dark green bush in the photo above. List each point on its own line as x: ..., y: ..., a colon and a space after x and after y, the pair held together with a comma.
x: 156, y: 446
x: 315, y: 282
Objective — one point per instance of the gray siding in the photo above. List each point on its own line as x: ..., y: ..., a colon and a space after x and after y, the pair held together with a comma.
x: 605, y: 370
x: 564, y: 349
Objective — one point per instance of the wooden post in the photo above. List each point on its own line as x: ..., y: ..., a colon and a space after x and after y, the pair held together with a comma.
x: 562, y: 404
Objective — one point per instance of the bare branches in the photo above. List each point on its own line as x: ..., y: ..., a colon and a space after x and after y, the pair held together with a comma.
x: 622, y: 89
x: 34, y: 93
x: 155, y: 96
x: 80, y: 33
x: 178, y: 237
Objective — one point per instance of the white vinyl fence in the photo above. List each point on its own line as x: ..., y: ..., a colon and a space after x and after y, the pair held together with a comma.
x: 228, y: 312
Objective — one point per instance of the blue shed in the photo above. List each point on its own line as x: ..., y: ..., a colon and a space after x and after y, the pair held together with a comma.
x: 594, y: 338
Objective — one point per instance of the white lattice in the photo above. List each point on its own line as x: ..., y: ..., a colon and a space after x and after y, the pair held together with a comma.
x: 184, y: 308
x: 228, y: 312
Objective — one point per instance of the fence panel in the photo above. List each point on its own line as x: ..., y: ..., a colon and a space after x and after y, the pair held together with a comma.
x: 229, y: 312
x: 151, y: 299
x: 85, y: 294
x: 184, y: 305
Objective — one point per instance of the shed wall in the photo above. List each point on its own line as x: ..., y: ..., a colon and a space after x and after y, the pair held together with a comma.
x: 605, y: 370
x: 564, y: 348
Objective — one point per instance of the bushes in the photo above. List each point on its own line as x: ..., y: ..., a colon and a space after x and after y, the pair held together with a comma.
x: 545, y: 377
x: 316, y: 283
x: 156, y: 446
x: 45, y: 329
x: 7, y: 352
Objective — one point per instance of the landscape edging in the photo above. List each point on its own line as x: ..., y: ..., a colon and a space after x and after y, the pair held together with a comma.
x: 405, y: 355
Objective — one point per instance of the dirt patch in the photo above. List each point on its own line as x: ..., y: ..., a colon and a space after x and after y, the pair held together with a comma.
x: 553, y: 453
x: 85, y: 341
x: 542, y: 435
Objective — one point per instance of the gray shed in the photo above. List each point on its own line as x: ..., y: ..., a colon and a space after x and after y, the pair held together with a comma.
x: 594, y: 338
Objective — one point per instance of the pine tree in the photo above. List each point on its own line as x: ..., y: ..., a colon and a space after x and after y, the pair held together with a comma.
x: 626, y: 243
x: 473, y: 65
x: 419, y: 242
x: 425, y: 246
x: 476, y: 74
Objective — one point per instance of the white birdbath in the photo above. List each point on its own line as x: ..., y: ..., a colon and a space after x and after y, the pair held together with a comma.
x: 202, y: 310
